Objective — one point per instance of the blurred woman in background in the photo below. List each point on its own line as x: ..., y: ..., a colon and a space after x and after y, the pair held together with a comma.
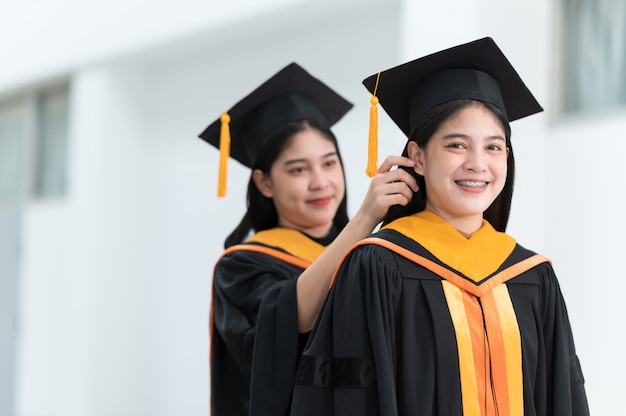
x: 268, y: 288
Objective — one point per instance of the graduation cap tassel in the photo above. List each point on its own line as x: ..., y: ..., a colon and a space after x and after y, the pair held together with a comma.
x: 372, y: 143
x: 224, y: 154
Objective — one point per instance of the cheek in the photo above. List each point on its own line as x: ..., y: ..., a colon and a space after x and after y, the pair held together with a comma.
x: 342, y: 185
x: 340, y: 180
x: 288, y: 188
x: 441, y: 168
x: 336, y: 177
x: 500, y: 172
x: 502, y: 168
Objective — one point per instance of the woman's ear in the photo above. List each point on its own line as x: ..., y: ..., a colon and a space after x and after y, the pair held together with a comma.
x: 416, y: 154
x: 263, y: 183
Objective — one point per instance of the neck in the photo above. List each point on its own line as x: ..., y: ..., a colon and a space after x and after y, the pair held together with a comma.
x: 320, y: 231
x: 464, y: 224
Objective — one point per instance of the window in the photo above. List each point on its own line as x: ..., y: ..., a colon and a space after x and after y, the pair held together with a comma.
x: 33, y: 144
x: 594, y: 40
x: 33, y: 159
x: 51, y: 143
x: 11, y: 124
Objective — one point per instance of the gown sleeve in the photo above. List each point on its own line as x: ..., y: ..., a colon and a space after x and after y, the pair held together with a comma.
x: 356, y: 329
x: 255, y: 317
x: 564, y: 378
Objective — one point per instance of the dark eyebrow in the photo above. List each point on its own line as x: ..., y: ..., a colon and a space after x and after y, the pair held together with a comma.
x: 455, y: 136
x: 465, y: 136
x: 304, y: 160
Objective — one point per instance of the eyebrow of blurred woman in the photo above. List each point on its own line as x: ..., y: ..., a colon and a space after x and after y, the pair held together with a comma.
x: 327, y: 155
x: 465, y: 136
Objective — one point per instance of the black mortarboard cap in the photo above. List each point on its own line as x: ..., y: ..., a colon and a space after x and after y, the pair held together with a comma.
x: 290, y: 95
x: 477, y: 70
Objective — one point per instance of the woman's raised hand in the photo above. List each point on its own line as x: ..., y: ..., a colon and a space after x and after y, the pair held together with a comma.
x: 390, y: 186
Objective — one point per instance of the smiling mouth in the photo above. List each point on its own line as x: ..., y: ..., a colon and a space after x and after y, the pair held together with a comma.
x: 320, y: 201
x: 472, y: 184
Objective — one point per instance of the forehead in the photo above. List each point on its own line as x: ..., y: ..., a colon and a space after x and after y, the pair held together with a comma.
x: 475, y: 117
x: 308, y: 143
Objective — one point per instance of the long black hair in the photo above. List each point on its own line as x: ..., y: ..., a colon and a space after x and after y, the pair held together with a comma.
x: 261, y: 213
x: 498, y: 212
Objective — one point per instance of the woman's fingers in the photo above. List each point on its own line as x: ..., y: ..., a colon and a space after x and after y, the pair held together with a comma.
x: 390, y: 186
x: 391, y: 161
x: 396, y: 175
x: 392, y: 193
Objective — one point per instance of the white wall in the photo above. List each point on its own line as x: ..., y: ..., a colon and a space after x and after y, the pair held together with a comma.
x: 586, y: 225
x: 116, y: 284
x: 115, y: 278
x: 49, y: 38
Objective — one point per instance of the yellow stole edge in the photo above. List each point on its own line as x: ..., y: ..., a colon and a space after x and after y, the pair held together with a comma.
x: 289, y: 240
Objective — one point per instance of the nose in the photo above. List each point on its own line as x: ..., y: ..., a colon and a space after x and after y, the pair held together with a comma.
x: 319, y: 179
x: 476, y: 161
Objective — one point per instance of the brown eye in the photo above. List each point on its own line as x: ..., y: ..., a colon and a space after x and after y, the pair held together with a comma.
x: 297, y: 170
x: 457, y: 146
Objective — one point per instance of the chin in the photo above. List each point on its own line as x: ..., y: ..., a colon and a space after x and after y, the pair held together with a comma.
x: 321, y: 221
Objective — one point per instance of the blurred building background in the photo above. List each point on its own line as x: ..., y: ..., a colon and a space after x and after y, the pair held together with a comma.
x: 109, y: 223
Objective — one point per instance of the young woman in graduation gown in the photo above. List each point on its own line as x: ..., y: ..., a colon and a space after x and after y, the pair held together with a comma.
x: 440, y: 312
x: 268, y: 287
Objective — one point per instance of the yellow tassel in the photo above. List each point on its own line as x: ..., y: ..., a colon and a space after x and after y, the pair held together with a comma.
x: 224, y: 154
x: 372, y: 143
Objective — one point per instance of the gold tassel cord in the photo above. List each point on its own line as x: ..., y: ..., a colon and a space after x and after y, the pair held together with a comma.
x: 224, y: 154
x: 372, y: 142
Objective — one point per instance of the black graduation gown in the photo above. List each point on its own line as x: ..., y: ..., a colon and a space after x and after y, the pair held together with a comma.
x: 401, y: 334
x: 255, y: 344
